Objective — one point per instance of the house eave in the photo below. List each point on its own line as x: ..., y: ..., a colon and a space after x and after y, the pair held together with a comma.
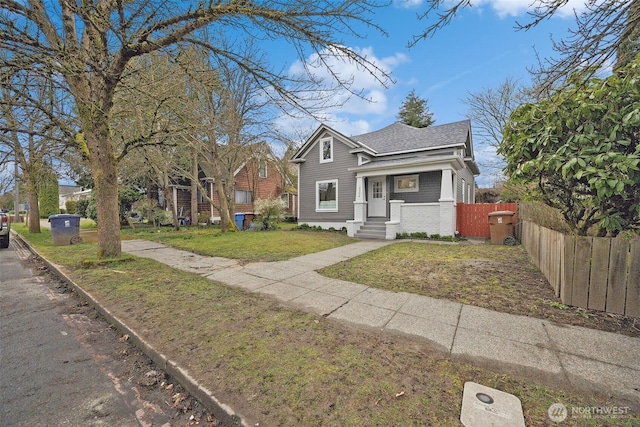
x: 418, y: 150
x: 312, y: 140
x: 427, y: 163
x: 473, y: 166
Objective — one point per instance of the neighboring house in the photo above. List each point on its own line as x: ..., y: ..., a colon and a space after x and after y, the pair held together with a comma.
x: 258, y: 176
x: 398, y: 179
x: 71, y: 192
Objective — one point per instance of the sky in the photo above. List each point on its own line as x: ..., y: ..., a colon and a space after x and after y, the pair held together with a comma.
x: 478, y: 50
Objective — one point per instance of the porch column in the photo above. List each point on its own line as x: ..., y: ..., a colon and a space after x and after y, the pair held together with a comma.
x: 175, y: 202
x: 446, y: 187
x: 359, y: 209
x: 211, y: 204
x: 447, y: 204
x: 359, y: 204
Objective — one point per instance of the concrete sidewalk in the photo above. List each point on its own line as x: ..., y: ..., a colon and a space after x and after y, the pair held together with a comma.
x: 580, y: 356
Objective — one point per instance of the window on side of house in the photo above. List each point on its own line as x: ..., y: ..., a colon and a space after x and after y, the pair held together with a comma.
x: 406, y: 184
x: 464, y: 191
x: 327, y: 196
x: 243, y: 197
x: 285, y: 200
x: 262, y: 169
x: 326, y: 150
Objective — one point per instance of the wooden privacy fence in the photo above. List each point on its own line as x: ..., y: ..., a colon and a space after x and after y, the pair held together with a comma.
x: 598, y: 273
x: 472, y: 219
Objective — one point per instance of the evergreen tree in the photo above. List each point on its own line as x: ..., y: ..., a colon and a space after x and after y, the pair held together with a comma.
x: 415, y: 111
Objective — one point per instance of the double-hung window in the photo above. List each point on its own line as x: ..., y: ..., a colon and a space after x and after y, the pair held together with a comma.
x: 327, y: 196
x: 326, y: 150
x: 262, y: 169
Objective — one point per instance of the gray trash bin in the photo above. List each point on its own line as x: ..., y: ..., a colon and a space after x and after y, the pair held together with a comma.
x: 65, y: 229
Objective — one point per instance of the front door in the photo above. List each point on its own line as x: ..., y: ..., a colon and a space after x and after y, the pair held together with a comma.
x: 377, y: 196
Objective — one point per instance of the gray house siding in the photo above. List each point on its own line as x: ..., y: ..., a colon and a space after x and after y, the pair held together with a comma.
x: 429, y: 185
x: 468, y: 179
x: 312, y: 171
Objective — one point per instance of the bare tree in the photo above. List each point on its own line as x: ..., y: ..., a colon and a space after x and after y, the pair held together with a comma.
x: 88, y: 46
x: 602, y: 30
x: 489, y: 111
x: 32, y: 130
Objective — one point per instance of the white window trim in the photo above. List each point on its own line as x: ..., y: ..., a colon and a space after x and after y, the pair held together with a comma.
x: 322, y: 141
x: 406, y: 190
x: 318, y: 208
x: 464, y: 191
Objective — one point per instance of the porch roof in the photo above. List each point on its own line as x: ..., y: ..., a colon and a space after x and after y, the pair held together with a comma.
x: 390, y: 166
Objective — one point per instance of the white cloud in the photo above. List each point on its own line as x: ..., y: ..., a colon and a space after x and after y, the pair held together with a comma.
x: 504, y: 8
x: 368, y: 95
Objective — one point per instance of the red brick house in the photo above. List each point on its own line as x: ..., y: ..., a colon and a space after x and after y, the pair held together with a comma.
x: 259, y: 176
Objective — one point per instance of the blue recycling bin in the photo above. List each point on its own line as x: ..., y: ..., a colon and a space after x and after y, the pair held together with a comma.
x: 239, y: 220
x: 65, y: 229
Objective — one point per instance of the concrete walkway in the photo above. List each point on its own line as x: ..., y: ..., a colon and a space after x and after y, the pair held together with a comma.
x: 583, y: 357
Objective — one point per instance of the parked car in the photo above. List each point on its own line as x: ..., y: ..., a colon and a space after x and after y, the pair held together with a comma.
x: 5, y: 228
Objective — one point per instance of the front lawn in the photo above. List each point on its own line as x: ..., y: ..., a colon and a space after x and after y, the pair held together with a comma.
x: 246, y: 246
x: 496, y: 277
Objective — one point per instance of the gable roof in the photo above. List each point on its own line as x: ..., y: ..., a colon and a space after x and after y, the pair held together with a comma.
x: 398, y: 137
x: 298, y: 156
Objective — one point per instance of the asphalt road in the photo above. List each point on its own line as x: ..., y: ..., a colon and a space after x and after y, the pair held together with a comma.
x: 49, y: 378
x: 62, y: 365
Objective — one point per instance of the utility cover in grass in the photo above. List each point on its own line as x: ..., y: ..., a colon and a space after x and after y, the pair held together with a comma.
x: 485, y: 406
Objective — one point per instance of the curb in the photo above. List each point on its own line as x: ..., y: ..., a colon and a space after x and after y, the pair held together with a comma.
x: 221, y: 411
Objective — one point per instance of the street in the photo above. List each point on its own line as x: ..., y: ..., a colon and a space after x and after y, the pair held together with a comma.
x: 62, y: 365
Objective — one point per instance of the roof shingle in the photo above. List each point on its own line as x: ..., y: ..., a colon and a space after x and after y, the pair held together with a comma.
x: 399, y: 137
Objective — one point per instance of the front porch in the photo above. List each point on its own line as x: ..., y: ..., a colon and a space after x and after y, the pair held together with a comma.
x: 423, y: 211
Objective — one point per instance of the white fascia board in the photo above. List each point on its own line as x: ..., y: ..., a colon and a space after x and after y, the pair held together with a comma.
x: 315, y: 137
x: 454, y: 163
x: 417, y: 150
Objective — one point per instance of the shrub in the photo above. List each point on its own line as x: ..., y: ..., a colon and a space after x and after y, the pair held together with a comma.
x: 70, y: 206
x: 81, y: 207
x: 269, y: 212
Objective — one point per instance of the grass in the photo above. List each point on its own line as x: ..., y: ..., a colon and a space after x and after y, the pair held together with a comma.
x: 434, y: 269
x: 290, y: 368
x: 246, y: 246
x: 496, y: 277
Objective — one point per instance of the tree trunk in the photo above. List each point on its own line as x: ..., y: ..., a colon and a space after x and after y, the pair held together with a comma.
x: 105, y: 175
x: 226, y: 218
x: 167, y: 191
x: 194, y: 187
x: 34, y: 213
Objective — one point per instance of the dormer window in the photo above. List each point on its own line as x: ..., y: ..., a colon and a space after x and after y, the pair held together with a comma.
x: 326, y: 150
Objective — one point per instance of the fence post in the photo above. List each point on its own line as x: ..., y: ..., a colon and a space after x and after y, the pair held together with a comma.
x: 566, y: 293
x: 632, y: 307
